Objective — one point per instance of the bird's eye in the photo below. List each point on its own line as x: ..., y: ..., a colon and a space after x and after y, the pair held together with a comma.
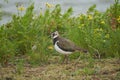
x: 53, y: 34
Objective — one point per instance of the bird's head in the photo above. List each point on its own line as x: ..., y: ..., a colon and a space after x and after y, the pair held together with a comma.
x: 54, y: 34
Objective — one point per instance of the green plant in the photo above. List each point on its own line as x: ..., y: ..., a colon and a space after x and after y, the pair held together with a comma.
x: 29, y: 34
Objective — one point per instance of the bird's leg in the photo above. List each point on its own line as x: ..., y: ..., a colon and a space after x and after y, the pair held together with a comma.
x: 66, y: 59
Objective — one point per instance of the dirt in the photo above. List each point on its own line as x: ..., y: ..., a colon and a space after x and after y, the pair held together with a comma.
x: 102, y: 69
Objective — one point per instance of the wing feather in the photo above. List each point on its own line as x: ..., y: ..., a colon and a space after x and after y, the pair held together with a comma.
x: 67, y: 45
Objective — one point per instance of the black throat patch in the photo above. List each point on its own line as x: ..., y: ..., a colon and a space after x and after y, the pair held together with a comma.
x: 54, y: 40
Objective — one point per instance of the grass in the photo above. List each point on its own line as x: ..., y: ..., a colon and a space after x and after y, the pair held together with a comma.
x: 104, y: 69
x: 27, y: 52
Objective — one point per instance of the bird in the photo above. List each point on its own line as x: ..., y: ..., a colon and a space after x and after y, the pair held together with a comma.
x: 64, y: 45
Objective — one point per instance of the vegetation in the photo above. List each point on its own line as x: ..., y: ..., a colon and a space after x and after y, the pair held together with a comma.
x: 26, y: 41
x: 106, y: 69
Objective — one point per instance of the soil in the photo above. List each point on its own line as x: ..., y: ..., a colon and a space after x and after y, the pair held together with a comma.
x: 99, y: 69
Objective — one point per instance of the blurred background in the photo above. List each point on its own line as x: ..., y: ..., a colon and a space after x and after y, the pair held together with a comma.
x: 8, y: 7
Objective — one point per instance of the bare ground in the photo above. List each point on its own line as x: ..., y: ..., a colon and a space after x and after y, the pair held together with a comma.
x: 103, y: 69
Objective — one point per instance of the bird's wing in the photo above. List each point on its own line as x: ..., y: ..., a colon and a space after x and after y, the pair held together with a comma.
x: 66, y: 45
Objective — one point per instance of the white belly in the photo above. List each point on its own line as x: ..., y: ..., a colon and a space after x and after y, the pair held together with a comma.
x: 60, y: 50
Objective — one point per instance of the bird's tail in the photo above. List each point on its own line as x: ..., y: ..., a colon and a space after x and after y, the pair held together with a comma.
x: 85, y: 51
x: 82, y: 50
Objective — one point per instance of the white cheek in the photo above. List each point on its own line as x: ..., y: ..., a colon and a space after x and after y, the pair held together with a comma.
x: 55, y: 36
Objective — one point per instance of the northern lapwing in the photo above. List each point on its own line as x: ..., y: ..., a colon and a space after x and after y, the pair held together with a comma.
x: 64, y: 46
